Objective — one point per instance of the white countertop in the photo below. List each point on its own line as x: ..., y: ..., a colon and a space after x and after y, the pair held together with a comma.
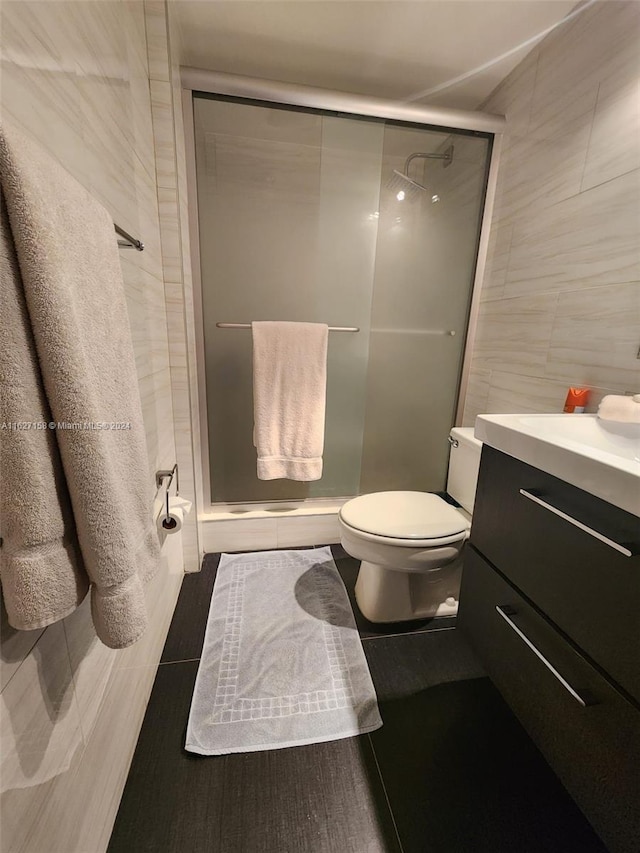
x: 600, y: 457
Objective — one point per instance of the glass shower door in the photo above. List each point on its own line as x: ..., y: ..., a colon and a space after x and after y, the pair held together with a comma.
x: 287, y: 232
x: 425, y: 264
x: 303, y: 217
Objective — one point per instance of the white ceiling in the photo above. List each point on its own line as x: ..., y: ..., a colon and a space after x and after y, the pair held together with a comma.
x: 387, y: 48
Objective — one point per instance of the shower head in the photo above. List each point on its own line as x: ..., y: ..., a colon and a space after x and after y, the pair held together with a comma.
x: 405, y: 187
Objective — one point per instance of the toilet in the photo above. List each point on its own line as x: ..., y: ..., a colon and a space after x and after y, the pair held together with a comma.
x: 411, y: 543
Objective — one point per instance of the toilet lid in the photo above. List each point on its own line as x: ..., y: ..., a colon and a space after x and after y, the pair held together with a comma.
x: 403, y: 515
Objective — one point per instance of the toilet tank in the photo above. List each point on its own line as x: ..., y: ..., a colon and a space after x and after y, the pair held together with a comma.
x: 464, y: 462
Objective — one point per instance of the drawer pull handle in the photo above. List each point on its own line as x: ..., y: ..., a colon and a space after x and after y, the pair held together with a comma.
x: 506, y: 611
x: 596, y: 535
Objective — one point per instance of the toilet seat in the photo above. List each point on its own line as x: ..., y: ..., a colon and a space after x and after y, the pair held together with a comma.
x: 408, y: 519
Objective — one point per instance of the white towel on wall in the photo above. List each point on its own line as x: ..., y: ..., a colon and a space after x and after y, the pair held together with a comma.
x: 76, y: 503
x: 289, y: 398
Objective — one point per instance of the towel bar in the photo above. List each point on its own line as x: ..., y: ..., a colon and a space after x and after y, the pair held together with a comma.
x: 127, y: 241
x: 248, y: 326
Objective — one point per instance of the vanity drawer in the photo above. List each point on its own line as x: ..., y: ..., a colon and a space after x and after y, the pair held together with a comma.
x: 535, y: 529
x: 586, y: 729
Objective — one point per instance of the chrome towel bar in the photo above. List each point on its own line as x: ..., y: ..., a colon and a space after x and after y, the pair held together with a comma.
x: 248, y: 326
x: 127, y: 241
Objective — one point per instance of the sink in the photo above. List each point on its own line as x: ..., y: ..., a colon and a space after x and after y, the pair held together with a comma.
x: 600, y: 457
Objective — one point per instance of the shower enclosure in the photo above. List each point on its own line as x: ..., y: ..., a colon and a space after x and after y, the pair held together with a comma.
x: 354, y: 221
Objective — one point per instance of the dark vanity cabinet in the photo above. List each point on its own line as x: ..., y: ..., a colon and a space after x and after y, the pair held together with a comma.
x: 550, y: 600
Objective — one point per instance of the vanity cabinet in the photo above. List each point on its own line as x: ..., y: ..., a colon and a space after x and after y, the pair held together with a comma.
x: 550, y: 600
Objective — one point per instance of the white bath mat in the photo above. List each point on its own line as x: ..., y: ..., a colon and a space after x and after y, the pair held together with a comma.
x: 282, y: 663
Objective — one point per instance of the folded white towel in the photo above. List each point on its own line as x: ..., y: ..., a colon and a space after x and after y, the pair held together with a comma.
x: 289, y: 397
x: 620, y: 408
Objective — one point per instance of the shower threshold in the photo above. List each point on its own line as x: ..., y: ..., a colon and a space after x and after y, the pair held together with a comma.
x: 264, y: 526
x: 266, y: 509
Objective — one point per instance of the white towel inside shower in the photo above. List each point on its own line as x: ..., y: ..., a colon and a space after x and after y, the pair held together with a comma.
x: 282, y: 663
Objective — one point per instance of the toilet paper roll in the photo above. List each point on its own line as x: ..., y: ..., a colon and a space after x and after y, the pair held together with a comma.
x: 172, y: 523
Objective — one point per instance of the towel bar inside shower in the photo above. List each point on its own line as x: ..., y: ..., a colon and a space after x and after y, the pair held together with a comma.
x: 248, y: 326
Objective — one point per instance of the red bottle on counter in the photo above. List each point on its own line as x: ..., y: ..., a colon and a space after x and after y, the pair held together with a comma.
x: 577, y: 399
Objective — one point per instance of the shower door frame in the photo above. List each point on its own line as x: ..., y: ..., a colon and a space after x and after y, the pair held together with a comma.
x: 288, y: 94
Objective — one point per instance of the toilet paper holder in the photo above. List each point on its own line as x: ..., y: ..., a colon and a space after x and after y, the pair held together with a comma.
x: 161, y: 476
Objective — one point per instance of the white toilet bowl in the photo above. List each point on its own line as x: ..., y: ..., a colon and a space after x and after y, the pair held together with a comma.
x: 410, y: 543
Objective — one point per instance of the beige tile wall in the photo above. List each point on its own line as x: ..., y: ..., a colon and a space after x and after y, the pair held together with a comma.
x: 76, y: 77
x: 166, y: 112
x: 561, y: 293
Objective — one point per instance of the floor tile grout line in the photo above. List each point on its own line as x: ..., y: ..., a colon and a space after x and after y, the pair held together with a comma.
x: 386, y: 795
x: 408, y: 633
x: 26, y: 655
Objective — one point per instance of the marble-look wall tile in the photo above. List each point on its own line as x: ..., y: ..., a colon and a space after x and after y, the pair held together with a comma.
x: 572, y: 60
x: 540, y: 172
x: 161, y: 594
x: 163, y: 132
x: 513, y: 96
x: 39, y: 80
x: 75, y: 810
x: 40, y: 723
x: 515, y: 331
x: 113, y: 87
x: 91, y: 664
x: 176, y: 327
x: 596, y: 336
x: 109, y: 133
x: 170, y: 235
x: 565, y: 223
x: 588, y: 240
x: 556, y: 108
x: 495, y: 274
x: 477, y: 394
x: 613, y: 151
x: 155, y: 395
x: 103, y: 771
x: 511, y: 393
x: 157, y: 40
x: 14, y: 646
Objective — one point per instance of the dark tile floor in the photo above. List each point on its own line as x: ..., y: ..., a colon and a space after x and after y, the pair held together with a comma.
x: 450, y: 771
